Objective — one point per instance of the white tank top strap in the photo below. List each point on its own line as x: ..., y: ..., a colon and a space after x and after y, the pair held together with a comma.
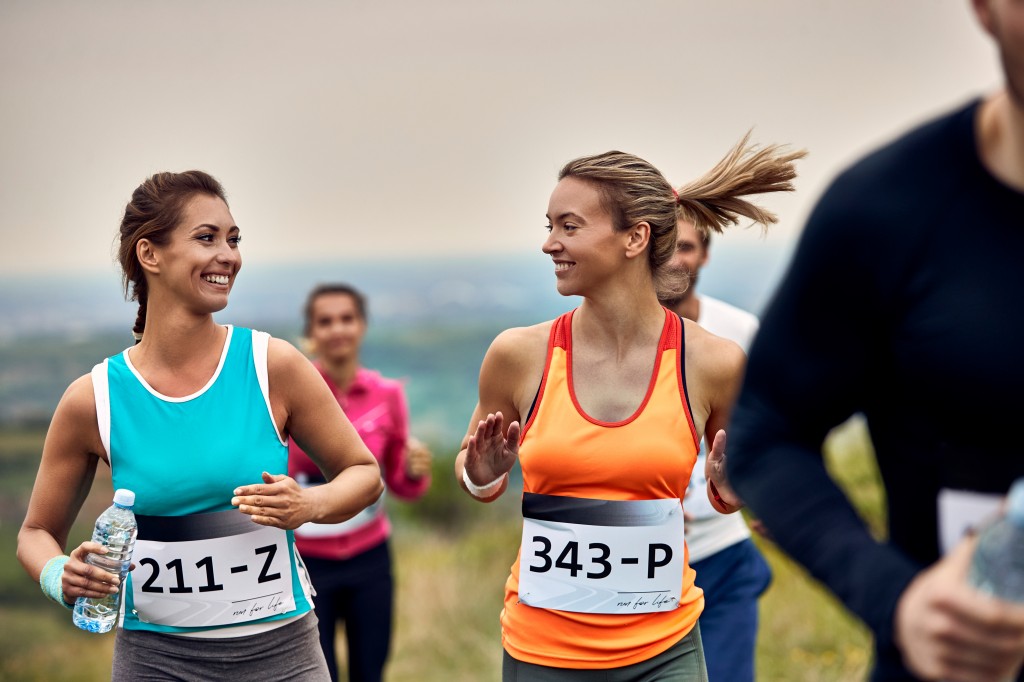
x: 260, y: 346
x: 101, y: 394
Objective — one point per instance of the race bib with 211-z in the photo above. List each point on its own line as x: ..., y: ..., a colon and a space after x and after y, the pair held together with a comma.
x: 212, y: 569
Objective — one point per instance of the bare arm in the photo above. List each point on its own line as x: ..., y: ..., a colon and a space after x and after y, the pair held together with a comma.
x: 67, y: 468
x: 309, y: 413
x: 509, y: 377
x: 717, y: 366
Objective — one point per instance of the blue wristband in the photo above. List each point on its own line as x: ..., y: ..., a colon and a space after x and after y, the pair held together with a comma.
x: 50, y: 579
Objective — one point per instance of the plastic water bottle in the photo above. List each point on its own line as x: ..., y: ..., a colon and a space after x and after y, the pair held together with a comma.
x: 116, y: 530
x: 998, y: 564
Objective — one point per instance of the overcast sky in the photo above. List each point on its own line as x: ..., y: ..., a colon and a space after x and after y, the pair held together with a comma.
x: 386, y: 129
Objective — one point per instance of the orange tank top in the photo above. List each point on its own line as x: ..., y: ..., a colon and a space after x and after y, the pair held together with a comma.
x: 648, y: 456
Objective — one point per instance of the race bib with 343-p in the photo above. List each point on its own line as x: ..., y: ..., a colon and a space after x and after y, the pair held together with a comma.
x: 601, y: 556
x: 212, y: 569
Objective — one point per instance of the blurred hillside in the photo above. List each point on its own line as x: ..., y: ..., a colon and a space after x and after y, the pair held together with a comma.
x: 430, y: 321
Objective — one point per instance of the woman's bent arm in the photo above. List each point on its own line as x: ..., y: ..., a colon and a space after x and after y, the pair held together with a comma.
x: 303, y: 403
x: 513, y: 364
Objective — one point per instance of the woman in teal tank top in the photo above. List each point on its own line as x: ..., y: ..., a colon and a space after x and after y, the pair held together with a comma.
x: 195, y: 419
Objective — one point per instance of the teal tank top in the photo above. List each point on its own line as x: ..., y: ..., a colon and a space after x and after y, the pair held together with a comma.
x: 183, y: 458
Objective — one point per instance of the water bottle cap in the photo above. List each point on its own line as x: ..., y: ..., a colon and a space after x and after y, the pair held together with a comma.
x: 1015, y: 503
x: 124, y: 497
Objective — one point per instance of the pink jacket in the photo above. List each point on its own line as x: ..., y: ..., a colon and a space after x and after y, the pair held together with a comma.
x: 377, y: 409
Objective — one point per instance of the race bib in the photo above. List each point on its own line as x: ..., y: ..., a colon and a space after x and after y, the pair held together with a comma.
x: 961, y: 511
x: 211, y: 569
x: 601, y: 556
x: 310, y: 530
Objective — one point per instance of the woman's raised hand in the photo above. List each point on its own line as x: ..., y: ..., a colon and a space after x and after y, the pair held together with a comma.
x: 490, y: 453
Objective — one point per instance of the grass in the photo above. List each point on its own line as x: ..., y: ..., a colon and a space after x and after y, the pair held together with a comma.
x: 805, y: 635
x: 452, y: 557
x: 40, y: 644
x: 448, y: 601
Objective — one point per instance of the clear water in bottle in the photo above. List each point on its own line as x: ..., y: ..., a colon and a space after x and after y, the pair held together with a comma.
x: 998, y: 564
x: 116, y: 530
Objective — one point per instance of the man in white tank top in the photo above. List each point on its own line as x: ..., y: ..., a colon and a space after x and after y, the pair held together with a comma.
x: 730, y: 569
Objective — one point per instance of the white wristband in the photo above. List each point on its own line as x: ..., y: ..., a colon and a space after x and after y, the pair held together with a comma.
x: 481, y: 490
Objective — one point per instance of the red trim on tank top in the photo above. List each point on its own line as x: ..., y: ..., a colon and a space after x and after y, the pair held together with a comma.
x: 555, y: 339
x: 560, y: 337
x: 650, y: 384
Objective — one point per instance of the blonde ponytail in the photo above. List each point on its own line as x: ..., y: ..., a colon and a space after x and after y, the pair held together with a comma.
x: 715, y: 200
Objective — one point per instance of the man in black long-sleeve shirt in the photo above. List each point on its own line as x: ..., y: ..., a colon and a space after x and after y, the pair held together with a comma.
x: 903, y: 302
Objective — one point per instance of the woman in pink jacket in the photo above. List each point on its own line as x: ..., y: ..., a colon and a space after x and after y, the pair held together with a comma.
x: 349, y: 562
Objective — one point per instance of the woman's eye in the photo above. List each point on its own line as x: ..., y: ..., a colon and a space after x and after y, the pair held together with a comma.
x: 236, y: 240
x: 205, y: 237
x: 548, y: 227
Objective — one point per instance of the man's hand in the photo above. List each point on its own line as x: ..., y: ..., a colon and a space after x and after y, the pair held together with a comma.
x: 946, y: 630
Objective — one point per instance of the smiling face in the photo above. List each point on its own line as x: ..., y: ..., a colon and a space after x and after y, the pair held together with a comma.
x: 199, y: 263
x: 336, y: 327
x: 583, y: 243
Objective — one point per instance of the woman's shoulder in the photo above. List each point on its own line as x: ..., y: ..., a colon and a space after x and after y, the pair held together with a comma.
x: 286, y: 364
x: 80, y: 396
x: 519, y: 344
x: 713, y: 354
x: 513, y: 368
x: 517, y: 336
x: 76, y: 415
x: 279, y: 350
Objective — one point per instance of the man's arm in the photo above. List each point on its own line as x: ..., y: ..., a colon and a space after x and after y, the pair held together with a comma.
x: 810, y: 368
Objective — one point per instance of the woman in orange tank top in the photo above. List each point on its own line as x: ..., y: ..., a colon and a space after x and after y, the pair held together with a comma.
x: 614, y: 398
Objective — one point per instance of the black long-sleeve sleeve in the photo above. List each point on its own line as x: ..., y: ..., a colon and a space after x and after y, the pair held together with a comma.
x: 901, y: 303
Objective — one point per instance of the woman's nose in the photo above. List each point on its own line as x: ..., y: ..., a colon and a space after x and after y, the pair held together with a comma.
x: 551, y: 244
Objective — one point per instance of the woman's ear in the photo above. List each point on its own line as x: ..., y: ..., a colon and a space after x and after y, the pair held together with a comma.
x: 637, y: 238
x: 146, y: 253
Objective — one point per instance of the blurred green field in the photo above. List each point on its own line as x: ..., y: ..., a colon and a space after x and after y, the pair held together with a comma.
x: 452, y: 558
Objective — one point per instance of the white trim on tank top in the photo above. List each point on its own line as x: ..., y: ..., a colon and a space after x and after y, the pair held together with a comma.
x: 101, y: 394
x: 166, y: 398
x: 260, y: 344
